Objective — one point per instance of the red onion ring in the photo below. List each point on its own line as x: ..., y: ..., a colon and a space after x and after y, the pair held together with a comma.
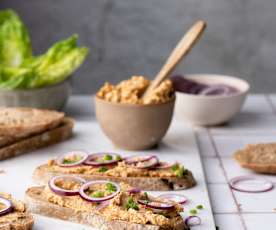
x: 134, y: 191
x: 92, y: 159
x: 64, y: 192
x: 156, y: 205
x: 163, y: 165
x: 181, y: 199
x: 137, y: 158
x: 8, y: 206
x: 192, y: 221
x: 147, y: 164
x: 60, y: 159
x: 267, y: 185
x: 95, y: 199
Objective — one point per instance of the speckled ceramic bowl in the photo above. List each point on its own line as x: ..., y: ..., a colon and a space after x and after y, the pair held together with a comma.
x: 51, y: 97
x: 134, y: 127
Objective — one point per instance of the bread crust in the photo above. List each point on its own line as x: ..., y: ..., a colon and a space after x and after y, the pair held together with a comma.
x: 37, y: 204
x: 22, y: 122
x: 240, y: 157
x: 44, y: 139
x: 25, y: 224
x: 42, y: 175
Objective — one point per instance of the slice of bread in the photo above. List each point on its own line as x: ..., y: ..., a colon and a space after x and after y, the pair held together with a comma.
x: 23, y: 222
x: 36, y: 203
x: 22, y: 122
x: 42, y: 175
x: 52, y: 136
x: 260, y: 158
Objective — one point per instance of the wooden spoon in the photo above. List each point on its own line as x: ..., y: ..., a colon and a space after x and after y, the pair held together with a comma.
x: 180, y: 51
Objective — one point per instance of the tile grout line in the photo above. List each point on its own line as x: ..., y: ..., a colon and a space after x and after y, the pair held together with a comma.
x: 269, y: 101
x: 226, y: 177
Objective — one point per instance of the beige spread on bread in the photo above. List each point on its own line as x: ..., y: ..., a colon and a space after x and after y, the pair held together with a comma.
x: 19, y: 210
x: 118, y: 208
x: 119, y: 170
x: 130, y: 91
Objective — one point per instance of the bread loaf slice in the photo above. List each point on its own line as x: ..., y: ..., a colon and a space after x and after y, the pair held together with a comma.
x: 21, y: 122
x: 36, y: 203
x: 260, y: 158
x: 52, y: 136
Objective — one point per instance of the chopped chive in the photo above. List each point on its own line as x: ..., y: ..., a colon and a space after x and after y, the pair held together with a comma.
x: 193, y: 211
x: 200, y: 206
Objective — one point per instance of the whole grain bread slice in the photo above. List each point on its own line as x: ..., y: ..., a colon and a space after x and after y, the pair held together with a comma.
x: 22, y: 122
x: 42, y: 175
x: 52, y: 136
x: 23, y: 222
x: 36, y: 203
x: 260, y: 158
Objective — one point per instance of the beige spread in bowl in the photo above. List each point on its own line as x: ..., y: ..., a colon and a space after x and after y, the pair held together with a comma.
x: 129, y: 92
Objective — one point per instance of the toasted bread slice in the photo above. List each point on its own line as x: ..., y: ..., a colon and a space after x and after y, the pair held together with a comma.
x: 23, y: 222
x: 260, y: 158
x: 42, y: 175
x: 22, y: 122
x: 36, y: 203
x: 44, y: 139
x: 18, y: 218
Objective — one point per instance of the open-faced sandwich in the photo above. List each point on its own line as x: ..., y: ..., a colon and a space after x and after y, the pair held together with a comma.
x: 146, y: 172
x: 104, y: 204
x: 13, y: 214
x: 27, y: 129
x: 260, y: 158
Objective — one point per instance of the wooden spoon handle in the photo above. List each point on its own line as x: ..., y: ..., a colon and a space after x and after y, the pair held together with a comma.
x: 179, y: 52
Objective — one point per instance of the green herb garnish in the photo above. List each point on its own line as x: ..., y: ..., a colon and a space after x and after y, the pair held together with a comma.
x: 97, y: 194
x: 72, y: 160
x: 118, y: 158
x: 110, y: 187
x: 200, y: 206
x: 193, y: 211
x: 146, y: 195
x: 131, y: 204
x: 107, y: 157
x: 180, y: 171
x: 103, y: 169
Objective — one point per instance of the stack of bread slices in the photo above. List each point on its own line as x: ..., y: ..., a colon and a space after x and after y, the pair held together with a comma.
x: 26, y: 129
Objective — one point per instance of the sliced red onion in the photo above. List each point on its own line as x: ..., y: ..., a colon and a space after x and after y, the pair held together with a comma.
x: 147, y: 164
x: 8, y: 206
x: 65, y: 192
x: 163, y: 165
x: 83, y: 156
x: 181, y: 199
x: 95, y: 199
x: 93, y: 159
x: 138, y: 158
x: 258, y: 185
x: 192, y: 221
x: 156, y: 205
x: 134, y: 190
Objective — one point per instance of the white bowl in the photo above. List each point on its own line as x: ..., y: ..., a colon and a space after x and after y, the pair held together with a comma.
x: 211, y: 110
x: 50, y: 97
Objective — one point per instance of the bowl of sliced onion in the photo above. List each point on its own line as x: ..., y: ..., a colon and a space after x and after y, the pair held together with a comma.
x: 208, y: 99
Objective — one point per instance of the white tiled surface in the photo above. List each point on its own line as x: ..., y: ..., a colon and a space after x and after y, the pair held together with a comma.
x: 232, y: 210
x: 236, y: 210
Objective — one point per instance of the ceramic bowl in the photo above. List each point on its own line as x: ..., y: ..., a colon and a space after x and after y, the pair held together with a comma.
x: 134, y: 127
x: 50, y: 97
x: 211, y: 110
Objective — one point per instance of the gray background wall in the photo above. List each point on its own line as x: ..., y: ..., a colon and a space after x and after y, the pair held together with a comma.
x: 129, y: 37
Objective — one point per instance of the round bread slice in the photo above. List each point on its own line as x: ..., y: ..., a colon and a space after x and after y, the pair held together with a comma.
x: 36, y: 203
x: 260, y: 158
x: 22, y: 122
x: 42, y: 175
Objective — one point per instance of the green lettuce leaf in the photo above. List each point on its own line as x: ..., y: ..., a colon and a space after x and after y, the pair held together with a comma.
x: 15, y: 45
x: 59, y: 62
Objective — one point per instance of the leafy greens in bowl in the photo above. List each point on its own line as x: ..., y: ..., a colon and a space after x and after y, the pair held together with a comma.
x: 19, y: 69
